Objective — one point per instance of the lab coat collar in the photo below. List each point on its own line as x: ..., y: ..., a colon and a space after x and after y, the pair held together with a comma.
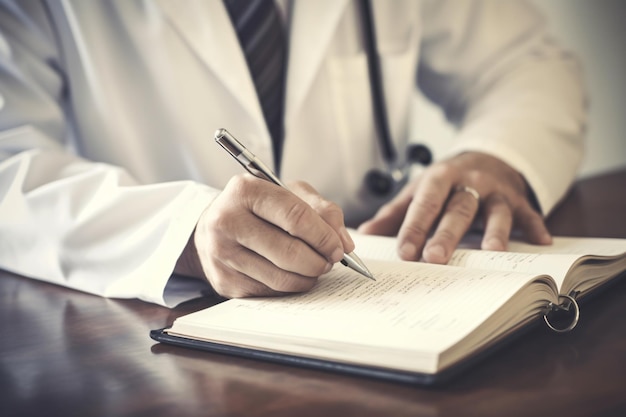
x: 215, y: 43
x: 313, y: 24
x: 206, y: 27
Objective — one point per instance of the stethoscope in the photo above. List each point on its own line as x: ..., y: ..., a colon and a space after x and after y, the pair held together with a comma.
x: 385, y: 182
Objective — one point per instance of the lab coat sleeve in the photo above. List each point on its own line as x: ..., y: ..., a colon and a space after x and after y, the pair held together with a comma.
x: 511, y: 91
x: 77, y: 223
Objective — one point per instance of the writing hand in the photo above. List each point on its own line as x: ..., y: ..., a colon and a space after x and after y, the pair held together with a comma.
x: 436, y: 203
x: 258, y: 239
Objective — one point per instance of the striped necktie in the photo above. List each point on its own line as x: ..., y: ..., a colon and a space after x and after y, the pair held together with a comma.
x: 262, y: 38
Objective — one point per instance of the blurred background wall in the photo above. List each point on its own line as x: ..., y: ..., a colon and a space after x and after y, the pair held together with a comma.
x: 595, y: 30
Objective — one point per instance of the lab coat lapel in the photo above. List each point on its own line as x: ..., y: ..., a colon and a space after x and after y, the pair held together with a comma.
x: 206, y: 27
x: 313, y: 24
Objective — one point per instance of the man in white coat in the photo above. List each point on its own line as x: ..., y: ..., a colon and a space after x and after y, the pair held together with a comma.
x: 110, y: 181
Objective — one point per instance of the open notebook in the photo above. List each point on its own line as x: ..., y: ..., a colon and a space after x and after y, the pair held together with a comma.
x: 418, y: 322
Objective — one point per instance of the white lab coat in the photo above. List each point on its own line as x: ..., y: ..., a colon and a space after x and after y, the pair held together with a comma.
x: 108, y: 108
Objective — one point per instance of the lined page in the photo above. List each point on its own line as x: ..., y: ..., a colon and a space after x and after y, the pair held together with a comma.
x: 575, y: 246
x: 556, y: 265
x: 385, y: 248
x: 414, y: 307
x: 554, y: 260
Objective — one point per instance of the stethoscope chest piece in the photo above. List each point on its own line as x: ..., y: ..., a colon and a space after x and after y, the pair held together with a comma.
x: 384, y: 182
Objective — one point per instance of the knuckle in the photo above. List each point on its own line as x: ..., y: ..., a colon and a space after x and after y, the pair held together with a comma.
x: 327, y: 206
x: 300, y: 185
x: 239, y: 183
x: 293, y: 249
x: 477, y: 176
x: 301, y: 225
x: 327, y: 241
x: 297, y: 213
x: 329, y: 210
x: 326, y: 209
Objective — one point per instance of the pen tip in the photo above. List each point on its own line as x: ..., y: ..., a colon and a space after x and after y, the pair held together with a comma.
x: 353, y: 261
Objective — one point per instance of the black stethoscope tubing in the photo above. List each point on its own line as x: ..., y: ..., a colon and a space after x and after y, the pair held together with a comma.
x: 381, y: 119
x: 384, y: 182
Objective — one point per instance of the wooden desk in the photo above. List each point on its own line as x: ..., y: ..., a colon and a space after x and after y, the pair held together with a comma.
x: 65, y: 353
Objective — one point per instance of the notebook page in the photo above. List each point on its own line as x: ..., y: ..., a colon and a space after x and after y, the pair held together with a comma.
x: 384, y: 247
x: 414, y: 307
x: 554, y: 260
x: 375, y: 247
x: 574, y: 245
x: 554, y: 265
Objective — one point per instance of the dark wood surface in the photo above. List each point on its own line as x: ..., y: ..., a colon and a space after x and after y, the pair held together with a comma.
x: 65, y: 353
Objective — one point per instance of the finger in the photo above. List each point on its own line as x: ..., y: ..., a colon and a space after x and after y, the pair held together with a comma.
x: 330, y: 212
x: 422, y: 213
x: 532, y: 225
x: 286, y: 252
x: 290, y: 213
x: 455, y: 221
x: 498, y: 216
x: 233, y: 227
x: 389, y: 217
x: 233, y: 278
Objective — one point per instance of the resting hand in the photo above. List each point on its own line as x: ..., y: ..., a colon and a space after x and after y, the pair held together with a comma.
x: 258, y: 239
x: 436, y: 203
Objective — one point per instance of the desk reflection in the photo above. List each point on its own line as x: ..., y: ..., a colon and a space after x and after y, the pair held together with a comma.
x: 68, y: 353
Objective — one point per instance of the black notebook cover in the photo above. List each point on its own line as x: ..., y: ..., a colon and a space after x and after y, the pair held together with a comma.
x: 358, y: 370
x: 406, y: 377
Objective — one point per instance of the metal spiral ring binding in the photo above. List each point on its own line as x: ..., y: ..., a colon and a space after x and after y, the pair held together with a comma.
x: 571, y: 302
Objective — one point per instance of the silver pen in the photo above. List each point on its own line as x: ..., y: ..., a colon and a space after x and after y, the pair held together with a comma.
x: 257, y: 168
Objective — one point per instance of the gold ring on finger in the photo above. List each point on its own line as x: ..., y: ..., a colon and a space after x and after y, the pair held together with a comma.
x: 467, y: 189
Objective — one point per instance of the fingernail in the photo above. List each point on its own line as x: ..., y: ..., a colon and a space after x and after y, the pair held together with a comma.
x: 407, y: 250
x: 328, y: 267
x: 435, y: 254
